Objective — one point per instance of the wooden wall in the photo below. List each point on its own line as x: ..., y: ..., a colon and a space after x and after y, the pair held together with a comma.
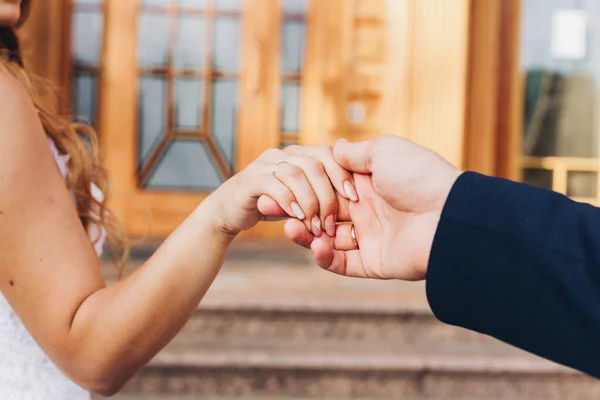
x: 410, y: 72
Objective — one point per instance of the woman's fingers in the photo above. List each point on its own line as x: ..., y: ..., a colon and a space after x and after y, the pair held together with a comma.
x: 311, y: 175
x: 341, y: 179
x: 282, y: 195
x: 297, y: 232
x: 270, y: 208
x: 294, y: 177
x: 314, y: 171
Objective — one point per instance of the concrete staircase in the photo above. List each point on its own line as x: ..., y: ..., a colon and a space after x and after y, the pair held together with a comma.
x: 275, y: 327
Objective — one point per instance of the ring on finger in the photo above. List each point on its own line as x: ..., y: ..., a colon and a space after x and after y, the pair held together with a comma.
x: 353, y: 236
x: 276, y: 167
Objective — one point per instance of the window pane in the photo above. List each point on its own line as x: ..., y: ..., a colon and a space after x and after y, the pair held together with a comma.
x: 290, y: 108
x: 293, y: 46
x: 85, y: 98
x: 191, y: 43
x: 582, y: 184
x: 538, y: 177
x: 224, y: 114
x: 227, y: 40
x: 153, y: 39
x: 87, y: 36
x: 295, y: 6
x: 160, y: 3
x: 188, y: 103
x: 193, y: 4
x: 228, y: 5
x: 560, y: 85
x: 185, y: 165
x: 89, y: 2
x: 152, y: 109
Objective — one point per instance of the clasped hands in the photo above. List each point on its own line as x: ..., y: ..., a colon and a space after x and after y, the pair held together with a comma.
x: 367, y: 209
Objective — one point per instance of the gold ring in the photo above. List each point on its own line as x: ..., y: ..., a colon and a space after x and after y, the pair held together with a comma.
x: 353, y: 236
x: 276, y: 167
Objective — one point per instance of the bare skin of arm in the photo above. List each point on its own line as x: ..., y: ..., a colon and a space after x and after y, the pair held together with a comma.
x: 101, y: 336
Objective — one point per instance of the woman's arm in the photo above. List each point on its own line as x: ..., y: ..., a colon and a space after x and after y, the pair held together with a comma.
x: 100, y: 336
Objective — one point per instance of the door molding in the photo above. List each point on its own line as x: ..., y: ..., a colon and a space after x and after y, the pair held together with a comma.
x: 495, y: 99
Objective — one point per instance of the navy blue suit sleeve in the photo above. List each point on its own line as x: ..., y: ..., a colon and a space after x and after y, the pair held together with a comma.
x: 520, y: 264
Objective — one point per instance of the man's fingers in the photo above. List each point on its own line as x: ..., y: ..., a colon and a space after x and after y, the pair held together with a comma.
x: 343, y: 238
x: 355, y: 157
x: 346, y: 263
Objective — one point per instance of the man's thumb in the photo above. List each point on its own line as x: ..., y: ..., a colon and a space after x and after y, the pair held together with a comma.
x: 355, y: 157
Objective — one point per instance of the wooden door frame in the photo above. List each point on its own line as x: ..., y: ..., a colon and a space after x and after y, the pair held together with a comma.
x: 46, y: 49
x: 258, y: 108
x: 426, y: 96
x: 493, y: 119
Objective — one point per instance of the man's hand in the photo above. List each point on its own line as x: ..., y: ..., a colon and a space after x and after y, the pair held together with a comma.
x: 402, y: 189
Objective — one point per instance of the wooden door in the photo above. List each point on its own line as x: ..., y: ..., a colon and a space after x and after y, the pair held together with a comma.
x: 191, y: 92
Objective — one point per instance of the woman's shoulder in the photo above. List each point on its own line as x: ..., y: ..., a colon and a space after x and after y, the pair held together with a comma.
x: 19, y: 120
x: 21, y: 103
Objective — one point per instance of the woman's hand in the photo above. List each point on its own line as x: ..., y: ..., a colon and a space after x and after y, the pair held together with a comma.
x: 298, y: 182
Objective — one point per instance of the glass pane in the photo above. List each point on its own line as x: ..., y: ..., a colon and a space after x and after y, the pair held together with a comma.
x: 188, y: 103
x: 582, y: 184
x: 191, y: 42
x: 88, y: 2
x: 560, y: 82
x: 161, y: 3
x: 153, y: 40
x: 293, y: 46
x: 295, y: 6
x: 227, y: 40
x: 85, y: 97
x: 185, y: 165
x: 219, y: 5
x: 193, y: 4
x: 152, y: 109
x: 224, y: 114
x: 87, y: 35
x: 228, y: 5
x: 290, y: 108
x: 538, y: 177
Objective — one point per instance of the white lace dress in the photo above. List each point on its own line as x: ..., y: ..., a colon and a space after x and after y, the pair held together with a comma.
x: 26, y: 373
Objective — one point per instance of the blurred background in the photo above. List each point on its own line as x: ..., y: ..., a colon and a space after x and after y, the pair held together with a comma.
x: 184, y: 93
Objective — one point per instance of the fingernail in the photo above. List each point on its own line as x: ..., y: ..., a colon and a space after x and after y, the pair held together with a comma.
x: 297, y: 210
x: 350, y: 191
x: 330, y: 226
x: 316, y: 226
x: 343, y: 140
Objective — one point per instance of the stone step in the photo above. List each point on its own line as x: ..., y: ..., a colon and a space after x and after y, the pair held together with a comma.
x: 194, y: 366
x: 199, y: 397
x: 282, y: 295
x: 274, y: 326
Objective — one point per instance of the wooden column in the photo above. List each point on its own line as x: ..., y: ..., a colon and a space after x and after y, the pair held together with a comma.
x: 118, y: 103
x: 482, y: 86
x: 428, y: 62
x: 45, y: 40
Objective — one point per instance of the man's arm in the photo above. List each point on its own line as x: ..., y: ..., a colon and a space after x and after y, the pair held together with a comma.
x: 520, y: 264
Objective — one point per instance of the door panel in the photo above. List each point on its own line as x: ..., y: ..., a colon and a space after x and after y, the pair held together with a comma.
x: 188, y: 60
x: 201, y: 90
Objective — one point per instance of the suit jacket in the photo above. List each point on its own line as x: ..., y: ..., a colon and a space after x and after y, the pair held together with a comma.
x: 520, y: 264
